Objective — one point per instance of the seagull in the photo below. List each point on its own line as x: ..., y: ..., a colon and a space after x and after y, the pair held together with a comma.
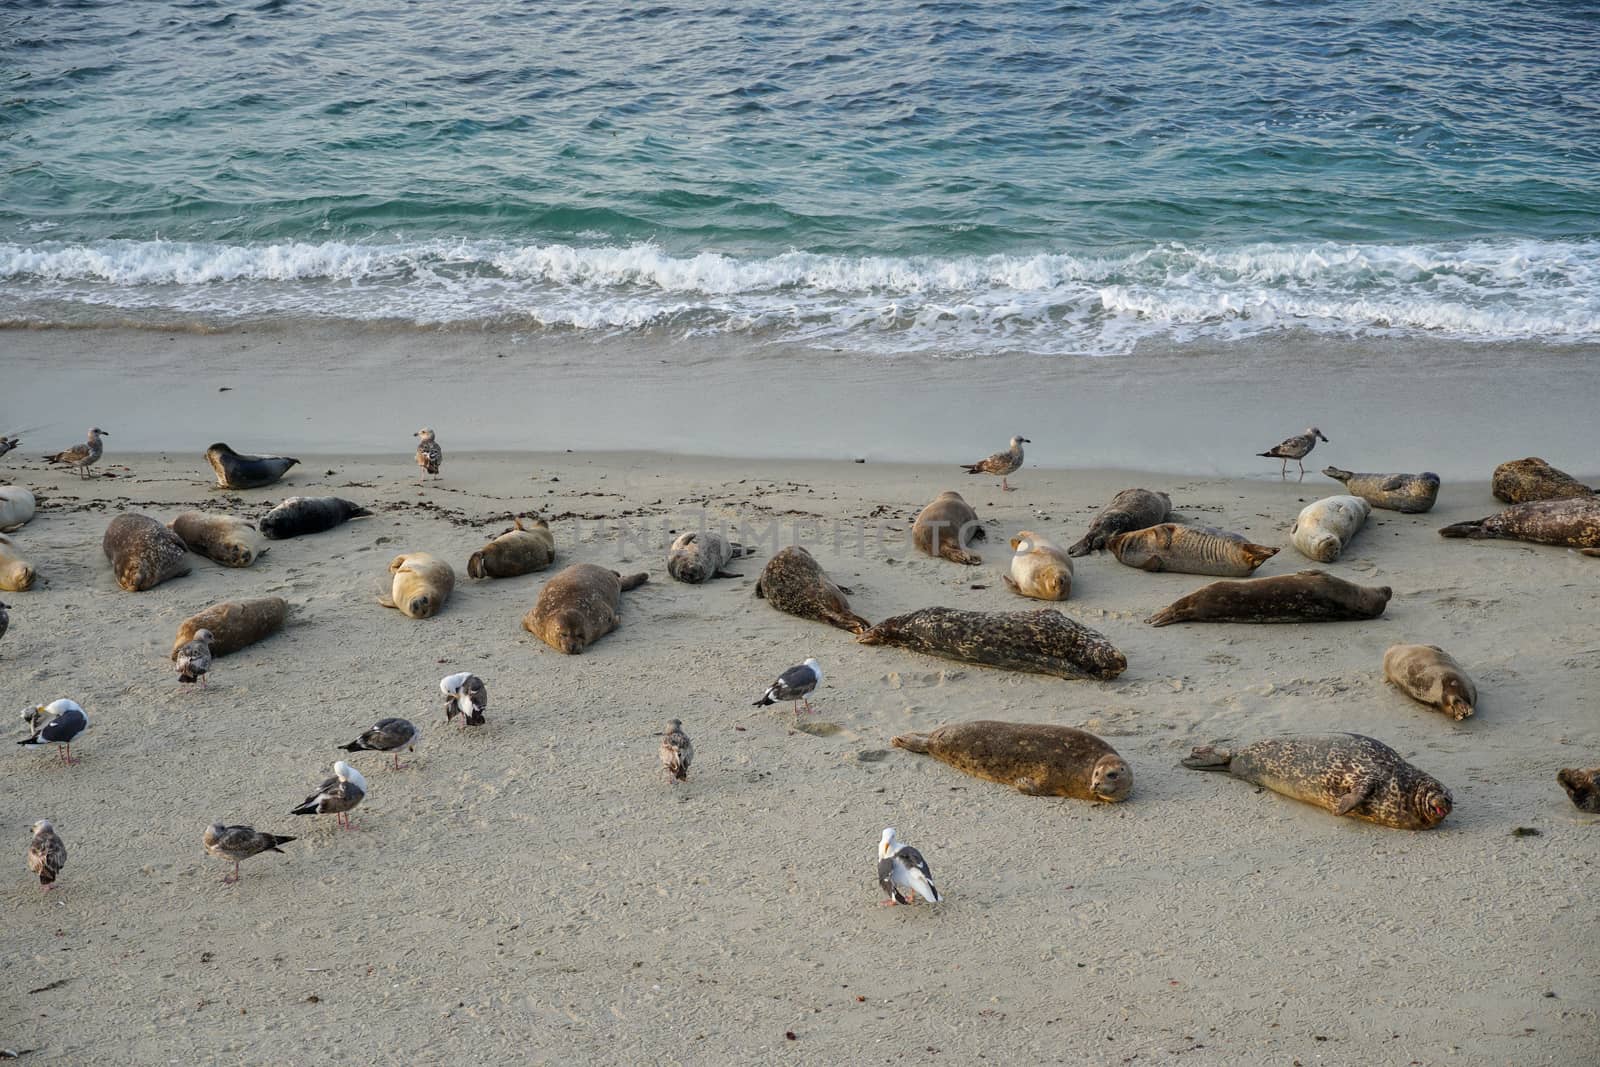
x: 465, y: 695
x: 8, y: 443
x: 903, y: 873
x: 193, y: 660
x: 677, y: 751
x: 240, y: 843
x: 63, y: 719
x: 5, y: 619
x: 1001, y: 463
x: 82, y: 456
x: 793, y: 685
x: 46, y: 854
x: 386, y: 735
x: 336, y: 795
x: 1296, y: 448
x: 429, y: 454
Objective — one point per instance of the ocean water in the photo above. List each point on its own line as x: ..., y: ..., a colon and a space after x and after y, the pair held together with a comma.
x: 882, y: 178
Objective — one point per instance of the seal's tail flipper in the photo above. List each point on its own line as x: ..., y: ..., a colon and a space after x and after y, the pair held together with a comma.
x: 1466, y: 529
x: 959, y: 555
x: 1590, y: 551
x: 633, y: 581
x: 910, y: 742
x: 1089, y: 543
x: 475, y: 565
x: 849, y: 620
x: 1165, y: 617
x: 1209, y: 758
x: 1256, y: 555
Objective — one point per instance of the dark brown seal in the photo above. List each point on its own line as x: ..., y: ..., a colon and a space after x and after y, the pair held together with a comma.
x: 1522, y: 481
x: 236, y: 471
x: 579, y: 606
x: 226, y: 539
x: 234, y: 624
x: 1043, y: 641
x: 700, y: 555
x: 143, y: 552
x: 1430, y: 675
x: 1571, y: 523
x: 946, y: 527
x: 521, y: 550
x: 1582, y: 786
x: 1131, y: 509
x: 299, y: 515
x: 1033, y: 758
x: 1409, y: 493
x: 1347, y: 774
x: 1306, y: 596
x: 794, y: 583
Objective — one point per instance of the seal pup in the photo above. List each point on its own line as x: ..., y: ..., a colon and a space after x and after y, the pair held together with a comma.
x: 225, y: 539
x: 700, y: 555
x: 520, y: 550
x: 1176, y: 547
x: 1039, y: 569
x: 387, y: 735
x: 17, y: 507
x: 429, y: 454
x: 1430, y: 675
x: 1522, y: 481
x: 16, y: 573
x: 1326, y: 527
x: 676, y: 751
x: 1042, y: 641
x: 234, y: 624
x: 794, y: 685
x: 300, y: 515
x: 579, y: 606
x: 336, y: 796
x: 1296, y: 448
x: 46, y: 854
x: 82, y: 457
x: 193, y: 660
x: 1572, y: 523
x: 465, y: 695
x: 1131, y: 509
x: 238, y: 843
x: 1305, y: 596
x: 1002, y: 463
x: 902, y: 872
x: 63, y: 721
x: 794, y: 583
x: 1036, y: 759
x: 237, y: 471
x: 420, y: 585
x: 945, y: 527
x: 1347, y: 774
x: 1582, y: 786
x: 1408, y: 493
x: 143, y: 552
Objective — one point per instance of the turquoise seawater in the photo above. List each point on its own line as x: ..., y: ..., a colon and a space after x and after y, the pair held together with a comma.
x: 880, y: 177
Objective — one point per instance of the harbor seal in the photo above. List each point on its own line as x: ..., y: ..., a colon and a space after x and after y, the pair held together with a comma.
x: 143, y: 552
x: 1036, y: 759
x: 1427, y: 673
x: 1326, y: 527
x: 1582, y: 786
x: 1305, y: 596
x: 946, y: 527
x: 1042, y: 641
x: 579, y: 606
x: 794, y: 583
x: 1131, y: 509
x: 521, y: 550
x: 1523, y: 481
x: 225, y: 539
x: 300, y: 515
x: 16, y: 573
x: 234, y: 624
x: 1039, y: 569
x: 1347, y: 774
x: 1410, y: 493
x: 420, y: 585
x: 236, y: 471
x: 1174, y: 546
x: 699, y: 555
x: 17, y: 506
x: 1571, y: 523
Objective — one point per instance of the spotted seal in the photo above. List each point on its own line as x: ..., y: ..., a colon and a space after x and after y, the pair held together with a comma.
x: 796, y: 584
x: 1409, y: 493
x: 1326, y: 527
x: 143, y: 552
x: 579, y: 606
x: 1042, y: 641
x: 237, y: 471
x: 1305, y: 596
x: 234, y: 624
x: 1039, y: 569
x: 1430, y: 675
x: 1036, y: 759
x: 521, y: 550
x: 946, y: 527
x: 300, y: 515
x: 419, y: 585
x: 226, y: 539
x: 17, y: 507
x: 700, y: 555
x: 1131, y: 509
x: 1523, y: 481
x: 1570, y: 523
x: 1184, y: 549
x: 16, y: 573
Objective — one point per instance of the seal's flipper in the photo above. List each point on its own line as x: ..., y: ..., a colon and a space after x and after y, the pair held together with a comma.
x: 1348, y: 802
x: 1209, y: 758
x: 1153, y: 565
x: 725, y: 574
x: 910, y: 742
x: 1011, y: 584
x: 632, y: 581
x: 1466, y: 529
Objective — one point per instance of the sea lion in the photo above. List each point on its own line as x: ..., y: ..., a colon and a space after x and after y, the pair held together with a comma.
x: 1039, y: 569
x: 234, y: 624
x: 143, y: 552
x: 699, y: 555
x: 1174, y: 546
x: 420, y: 585
x: 236, y: 471
x: 1326, y: 527
x: 1036, y: 759
x: 1410, y: 493
x: 1428, y: 674
x: 579, y: 606
x: 1131, y: 509
x: 1522, y: 481
x: 17, y: 506
x: 521, y: 550
x: 1042, y: 641
x: 946, y: 526
x: 794, y: 583
x: 1305, y: 596
x: 16, y: 573
x: 1347, y: 774
x: 1572, y: 523
x: 226, y: 539
x: 1582, y: 786
x: 299, y: 515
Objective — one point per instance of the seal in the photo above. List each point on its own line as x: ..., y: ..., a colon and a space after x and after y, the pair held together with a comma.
x: 420, y: 585
x: 1427, y: 673
x: 521, y: 550
x: 1184, y: 549
x: 1305, y: 596
x: 17, y: 507
x: 300, y: 515
x: 235, y: 471
x: 1039, y: 569
x: 1582, y: 786
x: 234, y: 624
x: 1036, y: 759
x: 1347, y: 774
x: 1522, y: 481
x: 1570, y: 523
x: 699, y: 555
x: 1042, y: 641
x: 579, y: 606
x: 1325, y: 528
x: 946, y: 527
x: 16, y: 573
x: 144, y: 553
x: 226, y: 539
x: 794, y: 583
x: 1410, y: 493
x: 1131, y: 509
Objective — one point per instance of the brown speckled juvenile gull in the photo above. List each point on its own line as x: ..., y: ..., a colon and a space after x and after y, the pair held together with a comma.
x: 1296, y: 448
x: 386, y: 735
x: 193, y: 660
x: 240, y: 843
x: 677, y: 751
x: 429, y: 454
x: 46, y: 854
x: 1001, y: 463
x: 83, y: 456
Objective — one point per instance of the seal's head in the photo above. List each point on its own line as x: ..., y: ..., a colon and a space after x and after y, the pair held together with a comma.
x: 1432, y: 802
x: 1112, y: 780
x: 567, y: 631
x: 1457, y: 701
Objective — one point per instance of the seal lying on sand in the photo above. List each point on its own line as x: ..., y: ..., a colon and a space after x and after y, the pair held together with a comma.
x: 234, y: 624
x: 1042, y: 641
x: 1522, y: 481
x: 1571, y: 523
x: 420, y: 585
x: 143, y: 552
x: 1039, y: 569
x: 1583, y: 787
x: 1347, y: 774
x: 699, y: 555
x: 1410, y: 493
x: 1033, y: 758
x: 17, y: 506
x: 308, y: 515
x: 235, y: 471
x: 1189, y: 550
x: 227, y: 539
x: 1326, y: 527
x: 794, y: 583
x: 945, y: 527
x: 16, y: 573
x: 1427, y: 673
x: 1306, y: 596
x: 522, y: 550
x: 579, y: 606
x: 1131, y: 509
